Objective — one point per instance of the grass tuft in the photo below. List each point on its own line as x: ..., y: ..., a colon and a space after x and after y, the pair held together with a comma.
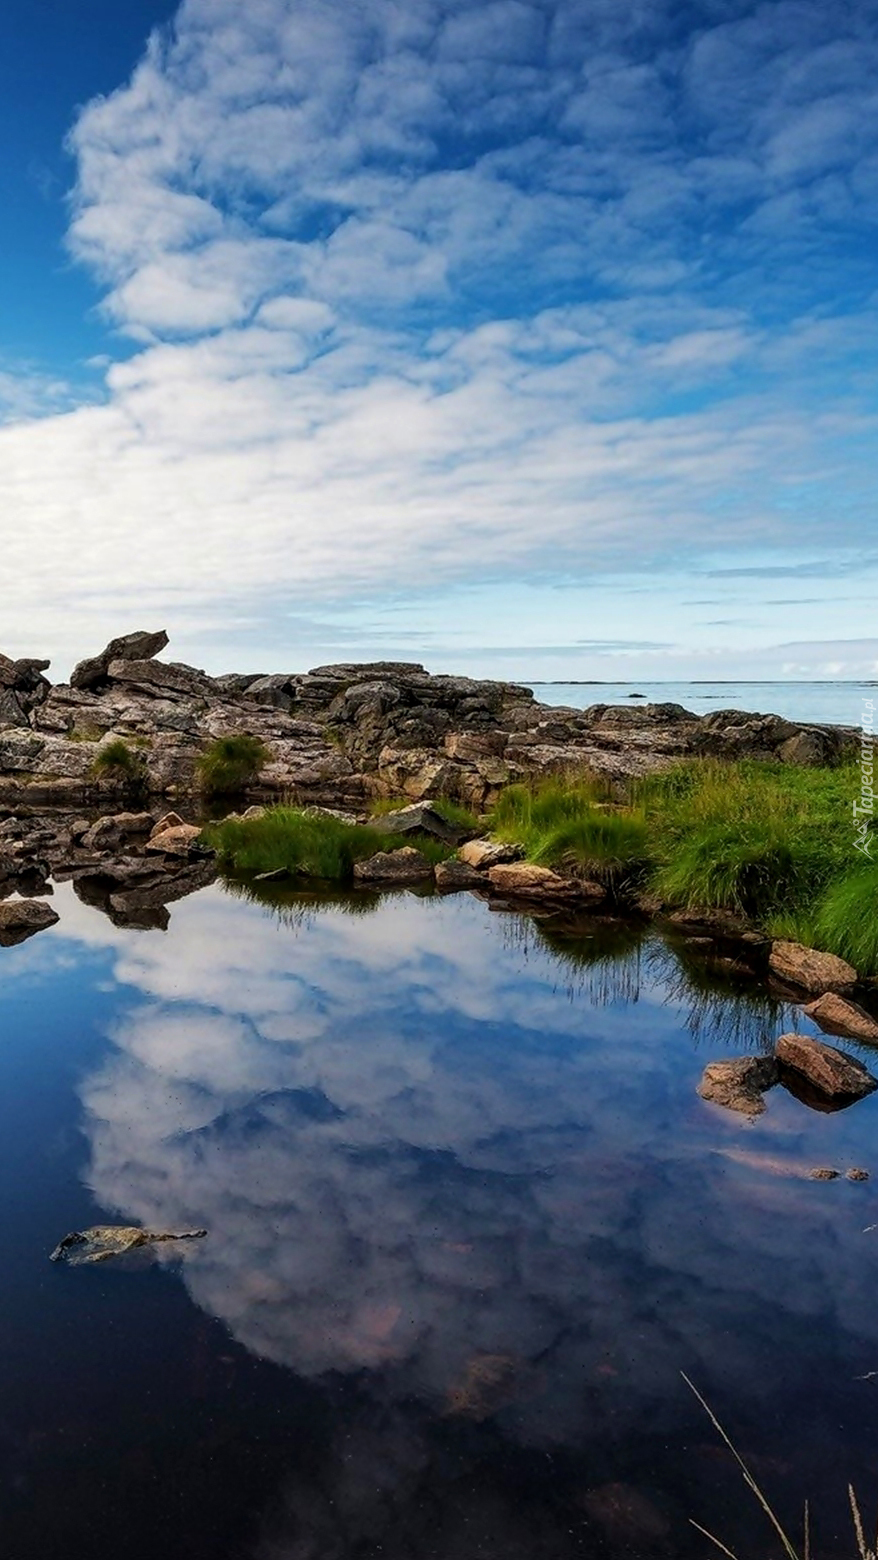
x: 285, y: 838
x: 117, y: 759
x: 231, y: 763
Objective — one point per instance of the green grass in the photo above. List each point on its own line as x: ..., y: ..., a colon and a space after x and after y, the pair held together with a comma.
x: 117, y: 759
x: 285, y: 838
x: 231, y: 763
x: 568, y: 825
x: 772, y: 841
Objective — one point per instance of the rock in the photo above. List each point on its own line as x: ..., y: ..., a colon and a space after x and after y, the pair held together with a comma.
x: 394, y: 866
x: 116, y: 829
x: 520, y: 880
x: 250, y: 813
x: 823, y: 1174
x: 483, y: 854
x: 809, y: 969
x: 112, y: 1240
x: 178, y: 840
x: 828, y: 1070
x: 837, y: 1015
x: 739, y: 1084
x: 857, y: 1175
x: 419, y: 818
x: 131, y: 647
x: 21, y: 918
x: 453, y: 876
x: 170, y: 820
x: 166, y: 679
x: 723, y: 924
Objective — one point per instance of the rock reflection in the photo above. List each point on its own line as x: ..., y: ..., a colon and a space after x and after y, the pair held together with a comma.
x: 424, y: 1157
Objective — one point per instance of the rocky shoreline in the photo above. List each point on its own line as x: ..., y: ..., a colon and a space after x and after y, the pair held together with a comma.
x: 340, y: 735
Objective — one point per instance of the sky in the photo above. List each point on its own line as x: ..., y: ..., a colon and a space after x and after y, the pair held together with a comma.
x: 530, y: 338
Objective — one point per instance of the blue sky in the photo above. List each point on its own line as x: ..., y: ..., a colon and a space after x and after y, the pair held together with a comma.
x: 527, y: 338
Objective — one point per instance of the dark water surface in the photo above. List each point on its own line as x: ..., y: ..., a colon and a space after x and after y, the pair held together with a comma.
x: 468, y: 1223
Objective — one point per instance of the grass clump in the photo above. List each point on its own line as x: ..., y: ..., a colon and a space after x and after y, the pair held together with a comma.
x: 845, y: 921
x: 567, y: 824
x: 116, y: 760
x: 313, y: 845
x: 231, y: 763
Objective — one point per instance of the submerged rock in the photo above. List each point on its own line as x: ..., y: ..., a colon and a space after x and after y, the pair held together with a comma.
x: 739, y: 1084
x: 21, y: 918
x: 112, y: 1240
x: 827, y: 1069
x: 810, y: 969
x: 394, y: 866
x: 837, y: 1015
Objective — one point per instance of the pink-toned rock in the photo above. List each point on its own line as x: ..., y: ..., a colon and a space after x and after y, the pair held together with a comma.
x: 521, y: 880
x: 483, y: 854
x: 810, y: 969
x: 171, y: 820
x: 837, y: 1015
x: 178, y: 840
x: 827, y: 1069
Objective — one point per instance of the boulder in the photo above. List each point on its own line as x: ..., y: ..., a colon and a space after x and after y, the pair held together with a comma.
x: 739, y: 1084
x: 21, y: 918
x: 170, y: 820
x: 419, y: 818
x: 520, y: 880
x: 161, y: 679
x: 139, y: 646
x: 453, y: 876
x: 176, y: 841
x: 483, y: 854
x: 837, y: 1015
x: 114, y: 830
x: 810, y: 969
x: 394, y: 866
x: 828, y: 1070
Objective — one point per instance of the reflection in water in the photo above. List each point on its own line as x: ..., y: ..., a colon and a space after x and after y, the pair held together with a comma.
x: 454, y: 1171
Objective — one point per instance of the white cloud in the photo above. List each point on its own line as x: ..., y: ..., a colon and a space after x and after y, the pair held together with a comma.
x: 442, y: 291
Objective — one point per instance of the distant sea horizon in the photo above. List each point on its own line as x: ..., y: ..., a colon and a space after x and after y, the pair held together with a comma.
x: 827, y: 701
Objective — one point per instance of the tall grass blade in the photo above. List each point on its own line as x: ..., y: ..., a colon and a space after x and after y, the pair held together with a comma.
x: 713, y: 1539
x: 788, y: 1547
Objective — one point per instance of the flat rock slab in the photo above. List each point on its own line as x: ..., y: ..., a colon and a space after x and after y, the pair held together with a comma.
x: 810, y: 969
x: 394, y: 866
x: 827, y: 1069
x: 739, y: 1084
x: 21, y: 918
x: 837, y: 1015
x: 523, y: 881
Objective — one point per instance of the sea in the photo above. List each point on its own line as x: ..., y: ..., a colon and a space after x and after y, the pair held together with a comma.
x: 829, y: 702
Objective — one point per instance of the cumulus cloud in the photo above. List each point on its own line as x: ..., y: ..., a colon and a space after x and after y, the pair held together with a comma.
x: 508, y: 289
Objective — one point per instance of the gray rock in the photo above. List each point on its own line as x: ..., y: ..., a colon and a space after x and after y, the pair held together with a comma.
x: 115, y: 829
x: 484, y: 854
x: 140, y: 646
x: 112, y: 1240
x: 739, y: 1084
x: 395, y: 866
x: 454, y: 876
x: 419, y: 818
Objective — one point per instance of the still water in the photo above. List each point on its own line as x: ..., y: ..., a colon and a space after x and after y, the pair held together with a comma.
x: 468, y: 1223
x: 832, y: 703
